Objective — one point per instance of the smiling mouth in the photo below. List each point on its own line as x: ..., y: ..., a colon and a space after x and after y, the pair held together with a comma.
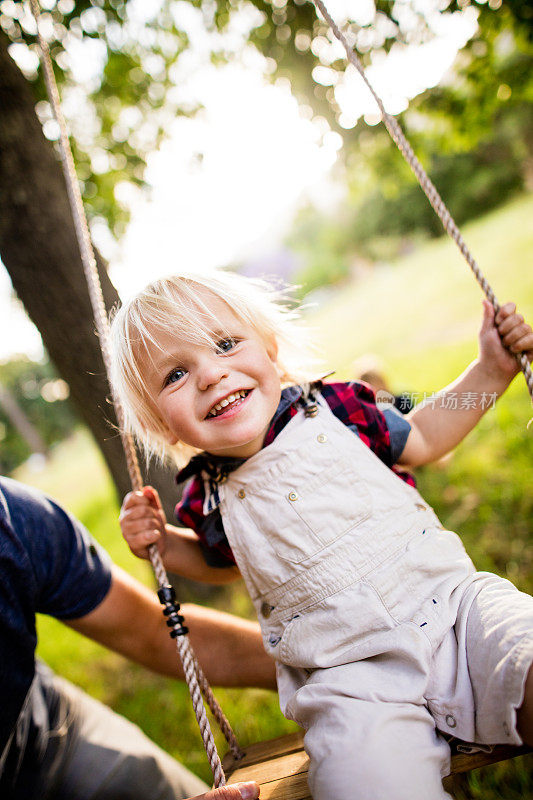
x: 229, y: 402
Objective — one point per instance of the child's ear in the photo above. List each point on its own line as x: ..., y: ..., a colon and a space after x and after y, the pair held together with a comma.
x: 170, y: 438
x: 272, y: 348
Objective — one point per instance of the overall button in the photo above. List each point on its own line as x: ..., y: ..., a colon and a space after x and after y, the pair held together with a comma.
x: 241, y: 493
x: 266, y: 609
x: 450, y: 721
x: 292, y: 496
x: 321, y: 438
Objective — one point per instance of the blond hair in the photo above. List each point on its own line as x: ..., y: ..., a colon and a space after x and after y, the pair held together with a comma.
x: 177, y: 305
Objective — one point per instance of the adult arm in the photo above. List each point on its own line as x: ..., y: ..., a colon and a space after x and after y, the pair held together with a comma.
x: 129, y: 620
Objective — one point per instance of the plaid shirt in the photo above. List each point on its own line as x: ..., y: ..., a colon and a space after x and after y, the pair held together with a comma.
x: 385, y: 432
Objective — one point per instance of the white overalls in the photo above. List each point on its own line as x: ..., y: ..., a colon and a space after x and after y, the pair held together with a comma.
x: 357, y: 588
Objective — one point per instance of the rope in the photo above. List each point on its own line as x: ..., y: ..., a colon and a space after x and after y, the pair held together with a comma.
x: 425, y: 182
x: 196, y: 680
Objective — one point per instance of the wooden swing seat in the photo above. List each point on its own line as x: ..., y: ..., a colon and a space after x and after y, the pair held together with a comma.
x: 280, y: 765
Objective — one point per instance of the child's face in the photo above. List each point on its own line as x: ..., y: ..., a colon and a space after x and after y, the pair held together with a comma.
x: 188, y: 382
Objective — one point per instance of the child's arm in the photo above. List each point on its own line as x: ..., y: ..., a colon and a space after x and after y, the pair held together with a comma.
x: 438, y: 425
x: 143, y: 522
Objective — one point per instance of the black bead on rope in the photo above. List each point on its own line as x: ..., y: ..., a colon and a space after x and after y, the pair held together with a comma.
x: 167, y: 598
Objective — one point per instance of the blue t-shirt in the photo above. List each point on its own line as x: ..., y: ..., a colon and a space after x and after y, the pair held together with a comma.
x: 48, y: 564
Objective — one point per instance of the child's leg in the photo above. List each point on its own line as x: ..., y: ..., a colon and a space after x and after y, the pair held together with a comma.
x: 524, y: 715
x: 368, y: 749
x: 495, y: 625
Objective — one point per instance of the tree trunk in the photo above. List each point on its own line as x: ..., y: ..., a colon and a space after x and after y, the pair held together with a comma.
x: 39, y: 248
x: 18, y: 418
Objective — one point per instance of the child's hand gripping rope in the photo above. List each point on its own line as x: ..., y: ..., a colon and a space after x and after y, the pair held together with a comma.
x: 502, y: 335
x: 142, y: 521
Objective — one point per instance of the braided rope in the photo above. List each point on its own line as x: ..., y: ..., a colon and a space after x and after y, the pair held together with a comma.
x: 195, y: 678
x: 188, y: 661
x: 425, y: 182
x: 217, y: 712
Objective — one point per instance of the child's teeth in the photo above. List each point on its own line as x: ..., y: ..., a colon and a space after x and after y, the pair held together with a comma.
x: 226, y: 402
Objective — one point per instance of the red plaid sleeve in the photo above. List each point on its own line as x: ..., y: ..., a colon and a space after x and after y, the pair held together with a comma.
x: 190, y: 513
x: 189, y: 510
x: 354, y: 404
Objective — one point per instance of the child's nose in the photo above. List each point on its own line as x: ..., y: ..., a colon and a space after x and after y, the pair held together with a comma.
x: 210, y: 373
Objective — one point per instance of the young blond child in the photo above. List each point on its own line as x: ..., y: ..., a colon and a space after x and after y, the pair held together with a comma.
x: 384, y: 634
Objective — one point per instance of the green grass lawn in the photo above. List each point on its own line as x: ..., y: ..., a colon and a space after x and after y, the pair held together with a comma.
x: 421, y: 316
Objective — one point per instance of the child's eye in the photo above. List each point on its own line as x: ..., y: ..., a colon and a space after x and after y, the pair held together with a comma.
x: 174, y: 376
x: 224, y: 345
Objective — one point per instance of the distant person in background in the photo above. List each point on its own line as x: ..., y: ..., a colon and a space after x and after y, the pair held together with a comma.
x: 369, y: 368
x: 56, y: 741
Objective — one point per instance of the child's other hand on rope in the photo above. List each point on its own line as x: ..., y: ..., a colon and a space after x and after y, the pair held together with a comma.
x: 501, y: 336
x: 142, y: 521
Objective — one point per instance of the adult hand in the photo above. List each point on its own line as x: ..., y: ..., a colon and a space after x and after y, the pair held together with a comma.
x: 237, y: 791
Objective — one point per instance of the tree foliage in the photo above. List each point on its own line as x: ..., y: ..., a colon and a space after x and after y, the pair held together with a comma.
x: 474, y: 134
x: 119, y: 110
x: 120, y: 106
x: 42, y: 397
